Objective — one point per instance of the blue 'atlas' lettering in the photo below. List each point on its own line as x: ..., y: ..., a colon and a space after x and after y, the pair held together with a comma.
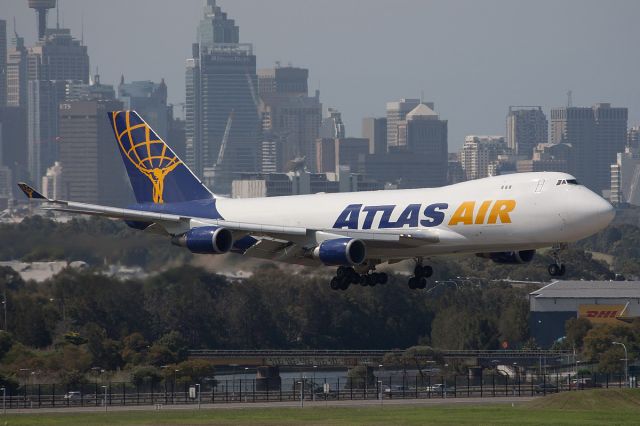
x: 371, y: 214
x: 434, y: 215
x: 408, y: 217
x: 349, y: 217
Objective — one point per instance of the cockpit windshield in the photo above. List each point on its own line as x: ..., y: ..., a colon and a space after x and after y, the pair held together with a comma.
x: 567, y: 182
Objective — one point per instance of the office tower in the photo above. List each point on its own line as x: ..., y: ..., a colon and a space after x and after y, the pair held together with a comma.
x: 332, y: 126
x: 221, y: 98
x: 375, y: 129
x: 289, y: 79
x: 271, y: 157
x: 633, y: 137
x: 6, y: 184
x: 92, y: 168
x: 3, y: 62
x: 527, y: 127
x: 346, y: 153
x: 397, y: 112
x: 52, y: 183
x: 455, y: 172
x: 596, y: 135
x: 625, y: 177
x: 17, y: 73
x: 176, y: 137
x: 148, y: 99
x: 289, y: 115
x: 480, y: 153
x: 58, y: 56
x: 13, y: 140
x: 547, y: 157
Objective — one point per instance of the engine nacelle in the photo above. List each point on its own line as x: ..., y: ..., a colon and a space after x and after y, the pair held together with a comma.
x: 341, y: 252
x: 206, y: 240
x: 510, y: 257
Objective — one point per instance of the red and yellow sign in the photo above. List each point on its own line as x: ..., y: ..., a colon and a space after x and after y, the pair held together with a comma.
x: 602, y: 314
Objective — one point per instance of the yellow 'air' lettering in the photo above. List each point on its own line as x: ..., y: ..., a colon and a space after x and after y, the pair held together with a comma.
x: 501, y: 209
x: 482, y: 212
x: 464, y: 214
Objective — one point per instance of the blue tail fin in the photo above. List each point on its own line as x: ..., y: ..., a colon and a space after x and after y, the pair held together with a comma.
x: 156, y: 173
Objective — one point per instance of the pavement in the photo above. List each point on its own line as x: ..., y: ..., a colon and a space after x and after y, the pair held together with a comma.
x: 287, y: 404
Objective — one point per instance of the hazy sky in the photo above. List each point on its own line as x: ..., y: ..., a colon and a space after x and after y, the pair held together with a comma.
x: 472, y: 58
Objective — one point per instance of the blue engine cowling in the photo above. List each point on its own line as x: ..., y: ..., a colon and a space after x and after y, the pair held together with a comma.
x: 206, y: 240
x: 341, y: 252
x: 511, y: 257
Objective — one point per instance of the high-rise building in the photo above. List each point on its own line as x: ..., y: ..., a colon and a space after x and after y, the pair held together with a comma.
x: 375, y: 129
x: 547, y: 157
x: 289, y: 79
x: 397, y: 112
x: 596, y: 135
x: 17, y: 73
x: 148, y: 99
x: 289, y: 115
x: 3, y: 62
x: 625, y: 178
x: 221, y: 92
x: 425, y: 134
x: 633, y: 137
x: 479, y: 155
x: 6, y: 184
x: 92, y: 169
x: 332, y: 154
x: 332, y: 126
x: 58, y: 56
x: 52, y: 183
x: 527, y: 127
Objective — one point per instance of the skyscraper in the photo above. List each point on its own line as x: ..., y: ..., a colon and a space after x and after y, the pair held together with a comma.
x: 397, y: 112
x: 479, y: 153
x: 221, y: 92
x: 375, y: 129
x: 332, y: 127
x: 527, y: 127
x: 289, y: 115
x: 149, y: 99
x: 58, y: 56
x: 596, y: 135
x: 3, y: 62
x: 17, y: 73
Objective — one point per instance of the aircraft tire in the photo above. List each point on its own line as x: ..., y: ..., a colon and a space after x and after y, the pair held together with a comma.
x: 382, y: 278
x: 335, y: 283
x: 422, y: 283
x: 412, y: 283
x: 423, y: 271
x: 554, y: 270
x: 344, y: 284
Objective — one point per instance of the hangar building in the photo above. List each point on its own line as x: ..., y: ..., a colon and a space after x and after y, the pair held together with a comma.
x: 609, y: 302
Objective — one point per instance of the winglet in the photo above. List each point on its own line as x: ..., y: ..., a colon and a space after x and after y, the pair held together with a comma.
x: 30, y: 192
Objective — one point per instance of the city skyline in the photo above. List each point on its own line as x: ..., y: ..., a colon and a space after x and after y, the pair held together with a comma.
x: 473, y: 60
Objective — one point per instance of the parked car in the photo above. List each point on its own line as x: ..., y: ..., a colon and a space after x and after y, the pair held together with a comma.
x: 72, y: 396
x: 584, y: 383
x: 543, y: 388
x: 440, y: 388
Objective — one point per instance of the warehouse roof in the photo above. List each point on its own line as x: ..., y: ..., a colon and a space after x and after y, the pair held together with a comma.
x: 588, y: 290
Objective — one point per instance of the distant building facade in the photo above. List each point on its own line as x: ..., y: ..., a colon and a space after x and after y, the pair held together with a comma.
x: 332, y: 126
x: 480, y: 153
x: 625, y: 177
x: 148, y: 99
x: 17, y: 73
x: 596, y: 135
x: 221, y: 82
x: 351, y: 153
x: 52, y: 183
x: 397, y: 112
x: 3, y: 63
x: 547, y: 157
x: 375, y: 129
x: 527, y: 126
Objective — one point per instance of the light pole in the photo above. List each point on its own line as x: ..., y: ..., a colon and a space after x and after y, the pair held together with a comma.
x: 313, y: 386
x: 198, y: 388
x: 104, y: 400
x: 174, y: 386
x: 626, y: 360
x: 4, y: 401
x: 233, y: 380
x: 380, y: 392
x: 246, y: 371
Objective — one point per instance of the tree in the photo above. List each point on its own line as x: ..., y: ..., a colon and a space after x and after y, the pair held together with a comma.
x: 575, y: 330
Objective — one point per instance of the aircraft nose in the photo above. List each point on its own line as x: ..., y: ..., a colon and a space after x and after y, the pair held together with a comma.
x: 601, y: 212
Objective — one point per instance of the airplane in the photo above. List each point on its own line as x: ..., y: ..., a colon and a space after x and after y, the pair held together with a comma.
x: 503, y: 218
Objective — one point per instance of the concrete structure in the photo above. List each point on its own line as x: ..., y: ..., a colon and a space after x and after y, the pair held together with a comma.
x: 332, y: 126
x: 3, y: 63
x: 479, y: 153
x: 149, y: 99
x: 289, y: 115
x: 52, y: 183
x: 92, y: 168
x: 625, y: 177
x: 221, y: 80
x: 547, y: 158
x: 42, y: 7
x: 375, y: 129
x: 527, y: 127
x: 397, y: 112
x: 596, y: 135
x: 17, y: 72
x: 633, y: 137
x: 331, y: 154
x: 612, y: 302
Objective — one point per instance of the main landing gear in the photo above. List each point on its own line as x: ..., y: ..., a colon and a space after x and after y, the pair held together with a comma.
x: 557, y: 269
x: 345, y: 276
x: 420, y: 274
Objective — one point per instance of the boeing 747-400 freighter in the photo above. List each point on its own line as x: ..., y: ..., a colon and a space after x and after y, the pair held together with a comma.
x: 503, y: 218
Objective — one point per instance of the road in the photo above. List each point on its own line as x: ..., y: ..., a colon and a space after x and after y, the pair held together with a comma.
x: 288, y: 404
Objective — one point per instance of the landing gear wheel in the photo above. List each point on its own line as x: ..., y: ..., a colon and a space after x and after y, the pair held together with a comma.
x: 556, y: 270
x: 344, y: 284
x: 423, y: 271
x: 371, y: 280
x: 413, y: 282
x: 422, y: 283
x: 382, y: 278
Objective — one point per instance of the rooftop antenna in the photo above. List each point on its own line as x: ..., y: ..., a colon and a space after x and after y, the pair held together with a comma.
x: 82, y: 27
x: 569, y: 99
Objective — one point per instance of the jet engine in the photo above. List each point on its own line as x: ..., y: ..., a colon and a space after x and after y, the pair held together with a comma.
x: 341, y: 252
x: 206, y: 240
x: 510, y: 257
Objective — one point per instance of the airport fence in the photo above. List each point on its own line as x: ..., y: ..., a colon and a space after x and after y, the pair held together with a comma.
x: 302, y: 389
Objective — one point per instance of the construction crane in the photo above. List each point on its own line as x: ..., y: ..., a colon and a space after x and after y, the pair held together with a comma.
x: 223, y: 144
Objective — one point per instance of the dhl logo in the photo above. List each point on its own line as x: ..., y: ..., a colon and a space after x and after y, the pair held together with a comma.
x: 602, y: 314
x: 489, y: 212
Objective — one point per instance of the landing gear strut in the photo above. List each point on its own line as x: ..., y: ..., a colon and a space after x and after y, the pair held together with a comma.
x: 557, y: 269
x: 420, y: 274
x: 345, y: 276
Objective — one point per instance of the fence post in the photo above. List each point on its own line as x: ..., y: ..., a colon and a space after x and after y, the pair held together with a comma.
x: 338, y: 386
x: 493, y: 384
x: 416, y: 386
x: 351, y: 387
x: 481, y: 382
x: 254, y: 390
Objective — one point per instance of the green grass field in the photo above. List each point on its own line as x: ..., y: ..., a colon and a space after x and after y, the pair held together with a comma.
x: 598, y: 407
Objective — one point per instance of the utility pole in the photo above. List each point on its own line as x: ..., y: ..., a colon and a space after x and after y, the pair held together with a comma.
x: 626, y: 361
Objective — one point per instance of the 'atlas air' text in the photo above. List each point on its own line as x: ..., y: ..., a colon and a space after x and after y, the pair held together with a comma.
x: 489, y: 212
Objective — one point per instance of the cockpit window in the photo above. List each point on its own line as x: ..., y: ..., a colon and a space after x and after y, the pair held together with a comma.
x: 567, y: 181
x: 572, y: 182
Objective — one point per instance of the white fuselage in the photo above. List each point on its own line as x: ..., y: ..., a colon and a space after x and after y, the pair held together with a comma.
x: 502, y: 213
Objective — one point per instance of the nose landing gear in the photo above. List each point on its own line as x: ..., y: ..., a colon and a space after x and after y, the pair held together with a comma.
x: 420, y: 274
x: 557, y: 269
